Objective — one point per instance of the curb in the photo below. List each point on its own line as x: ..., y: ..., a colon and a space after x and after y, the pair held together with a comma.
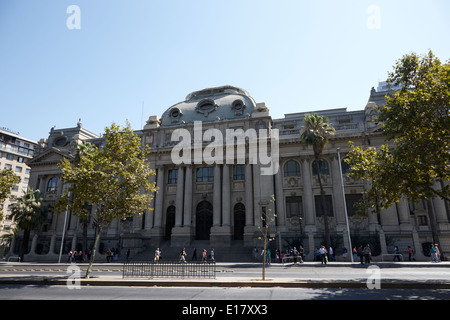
x: 385, y: 284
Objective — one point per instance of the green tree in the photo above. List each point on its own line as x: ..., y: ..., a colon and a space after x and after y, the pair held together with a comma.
x: 316, y: 133
x: 27, y: 215
x: 416, y: 119
x: 115, y: 178
x: 8, y: 180
x: 267, y: 218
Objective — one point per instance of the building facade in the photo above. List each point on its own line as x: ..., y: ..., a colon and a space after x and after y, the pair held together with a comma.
x: 219, y: 158
x: 15, y: 152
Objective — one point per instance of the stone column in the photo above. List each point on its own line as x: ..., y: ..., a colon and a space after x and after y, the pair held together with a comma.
x: 257, y: 196
x: 182, y: 232
x: 279, y: 199
x: 179, y: 198
x: 440, y: 211
x: 226, y: 196
x: 248, y: 195
x: 159, y: 198
x: 217, y: 195
x: 157, y: 231
x: 403, y: 215
x: 188, y: 197
x: 337, y: 192
x: 308, y: 198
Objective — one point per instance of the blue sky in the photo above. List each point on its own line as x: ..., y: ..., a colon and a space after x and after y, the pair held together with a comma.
x: 135, y: 57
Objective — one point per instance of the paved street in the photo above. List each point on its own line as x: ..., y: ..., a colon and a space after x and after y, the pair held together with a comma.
x: 33, y: 292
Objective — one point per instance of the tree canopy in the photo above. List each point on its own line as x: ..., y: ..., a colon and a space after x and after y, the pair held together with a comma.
x: 114, y: 177
x: 8, y: 179
x: 416, y: 119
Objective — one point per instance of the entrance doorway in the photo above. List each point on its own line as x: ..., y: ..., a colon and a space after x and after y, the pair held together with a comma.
x: 239, y: 221
x: 203, y: 220
x: 170, y: 222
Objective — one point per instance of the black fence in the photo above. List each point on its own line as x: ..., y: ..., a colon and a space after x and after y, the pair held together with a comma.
x: 169, y: 269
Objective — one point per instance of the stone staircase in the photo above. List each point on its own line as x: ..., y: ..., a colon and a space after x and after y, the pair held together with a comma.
x: 235, y: 253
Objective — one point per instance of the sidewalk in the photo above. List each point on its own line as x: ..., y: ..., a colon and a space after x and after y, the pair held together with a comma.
x: 333, y: 275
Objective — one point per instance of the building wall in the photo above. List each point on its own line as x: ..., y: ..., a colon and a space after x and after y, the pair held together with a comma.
x: 15, y: 151
x: 223, y: 209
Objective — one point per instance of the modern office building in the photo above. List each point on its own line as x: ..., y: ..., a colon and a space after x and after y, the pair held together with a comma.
x: 219, y: 157
x: 15, y: 151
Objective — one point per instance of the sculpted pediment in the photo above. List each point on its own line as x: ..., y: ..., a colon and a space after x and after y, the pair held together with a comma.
x: 49, y: 156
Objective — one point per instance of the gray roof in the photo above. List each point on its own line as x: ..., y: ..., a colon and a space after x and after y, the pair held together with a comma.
x: 211, y: 104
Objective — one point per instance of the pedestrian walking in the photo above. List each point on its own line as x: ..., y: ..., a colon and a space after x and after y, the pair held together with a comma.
x: 211, y: 255
x: 157, y: 255
x: 183, y: 255
x: 396, y: 254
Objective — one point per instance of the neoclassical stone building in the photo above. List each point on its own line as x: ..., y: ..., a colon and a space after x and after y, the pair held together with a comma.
x: 220, y: 203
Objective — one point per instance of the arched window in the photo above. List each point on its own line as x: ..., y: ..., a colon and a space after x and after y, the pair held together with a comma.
x: 323, y: 166
x: 291, y: 169
x: 52, y: 185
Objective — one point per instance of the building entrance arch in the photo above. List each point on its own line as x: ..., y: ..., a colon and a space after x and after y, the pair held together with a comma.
x: 239, y: 221
x: 203, y: 220
x: 170, y: 222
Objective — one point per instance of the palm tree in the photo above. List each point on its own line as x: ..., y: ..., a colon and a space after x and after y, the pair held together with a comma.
x: 316, y: 133
x: 28, y: 215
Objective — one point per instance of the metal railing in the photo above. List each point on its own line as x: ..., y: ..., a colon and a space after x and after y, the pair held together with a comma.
x: 169, y: 269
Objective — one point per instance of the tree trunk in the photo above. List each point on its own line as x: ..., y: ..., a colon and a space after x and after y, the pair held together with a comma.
x: 24, y: 246
x: 97, y: 238
x: 323, y: 207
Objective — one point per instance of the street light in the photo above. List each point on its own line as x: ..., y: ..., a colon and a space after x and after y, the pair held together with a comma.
x: 345, y: 205
x: 64, y: 230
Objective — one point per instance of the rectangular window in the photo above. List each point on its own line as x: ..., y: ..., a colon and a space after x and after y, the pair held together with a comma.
x: 9, y: 157
x: 351, y: 201
x: 328, y: 205
x: 205, y: 174
x: 18, y: 169
x: 293, y: 206
x: 172, y: 176
x: 239, y: 172
x: 8, y: 166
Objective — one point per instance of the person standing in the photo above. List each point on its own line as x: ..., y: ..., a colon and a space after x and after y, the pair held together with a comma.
x: 204, y: 256
x: 360, y: 253
x: 323, y: 254
x: 211, y: 255
x: 410, y: 253
x: 367, y: 253
x: 344, y: 252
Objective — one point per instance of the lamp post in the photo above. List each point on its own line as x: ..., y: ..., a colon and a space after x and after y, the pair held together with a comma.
x: 345, y: 205
x: 64, y: 230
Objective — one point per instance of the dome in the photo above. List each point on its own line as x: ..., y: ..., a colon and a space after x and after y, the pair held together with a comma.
x: 211, y: 104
